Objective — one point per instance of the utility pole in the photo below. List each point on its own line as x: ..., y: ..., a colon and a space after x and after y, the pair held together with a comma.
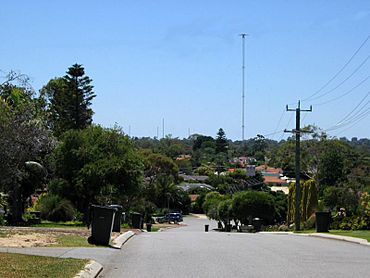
x: 297, y: 131
x: 243, y: 80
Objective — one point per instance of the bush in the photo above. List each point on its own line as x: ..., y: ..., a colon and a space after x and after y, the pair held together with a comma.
x: 54, y: 208
x: 352, y: 223
x: 224, y: 211
x: 250, y: 204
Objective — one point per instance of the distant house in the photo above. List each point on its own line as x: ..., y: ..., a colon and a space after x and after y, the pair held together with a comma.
x: 188, y: 186
x: 193, y: 177
x: 244, y: 160
x: 274, y: 178
x: 183, y: 157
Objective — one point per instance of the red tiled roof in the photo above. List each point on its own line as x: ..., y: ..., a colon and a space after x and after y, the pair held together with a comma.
x: 271, y: 179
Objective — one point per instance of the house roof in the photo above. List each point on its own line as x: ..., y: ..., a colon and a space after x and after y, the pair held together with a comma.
x: 273, y: 179
x: 268, y: 169
x: 187, y: 186
x: 193, y: 177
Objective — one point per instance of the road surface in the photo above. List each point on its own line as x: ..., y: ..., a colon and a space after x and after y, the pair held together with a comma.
x: 190, y: 252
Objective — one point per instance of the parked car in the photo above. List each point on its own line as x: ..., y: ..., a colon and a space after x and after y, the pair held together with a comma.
x: 174, y: 217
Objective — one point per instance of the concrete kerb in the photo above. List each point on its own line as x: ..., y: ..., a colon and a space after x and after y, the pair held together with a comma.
x: 326, y: 236
x: 120, y: 240
x: 91, y: 270
x: 342, y: 238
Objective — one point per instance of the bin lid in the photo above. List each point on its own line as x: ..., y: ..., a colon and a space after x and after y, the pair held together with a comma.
x: 103, y: 207
x: 116, y: 206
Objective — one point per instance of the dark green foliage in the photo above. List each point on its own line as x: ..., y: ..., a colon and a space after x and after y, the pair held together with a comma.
x: 225, y: 211
x: 96, y: 165
x: 197, y: 205
x: 281, y: 205
x: 54, y: 208
x: 68, y: 100
x: 23, y: 137
x: 355, y: 222
x: 211, y: 202
x: 340, y: 197
x: 250, y: 204
x: 221, y: 142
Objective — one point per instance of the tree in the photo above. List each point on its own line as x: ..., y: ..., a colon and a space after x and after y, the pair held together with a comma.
x: 221, y: 142
x: 308, y: 202
x: 23, y: 138
x: 250, y: 204
x: 68, y: 100
x: 96, y: 165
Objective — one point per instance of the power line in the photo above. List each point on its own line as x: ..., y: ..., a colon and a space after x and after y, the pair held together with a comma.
x: 340, y: 70
x: 290, y: 119
x: 354, y: 109
x: 343, y: 81
x: 344, y: 94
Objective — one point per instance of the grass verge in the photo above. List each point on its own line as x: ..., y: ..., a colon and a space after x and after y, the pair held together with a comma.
x: 68, y: 224
x: 18, y: 265
x: 360, y: 234
x: 71, y: 241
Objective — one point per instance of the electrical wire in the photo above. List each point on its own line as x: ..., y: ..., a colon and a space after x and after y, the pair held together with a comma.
x: 340, y: 70
x: 354, y: 109
x: 290, y: 119
x: 343, y: 81
x: 344, y: 94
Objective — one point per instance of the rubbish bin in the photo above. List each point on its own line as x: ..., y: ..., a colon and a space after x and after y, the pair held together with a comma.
x: 137, y: 220
x: 117, y: 218
x: 206, y: 227
x: 148, y: 227
x: 257, y: 224
x: 322, y: 221
x: 228, y: 228
x: 101, y: 218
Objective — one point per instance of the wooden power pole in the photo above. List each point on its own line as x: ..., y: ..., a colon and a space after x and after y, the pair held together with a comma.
x: 297, y: 131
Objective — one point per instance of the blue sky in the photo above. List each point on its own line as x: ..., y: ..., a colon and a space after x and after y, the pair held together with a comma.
x: 181, y: 61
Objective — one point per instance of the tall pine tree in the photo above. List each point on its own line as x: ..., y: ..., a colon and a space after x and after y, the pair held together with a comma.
x: 221, y: 142
x: 68, y: 100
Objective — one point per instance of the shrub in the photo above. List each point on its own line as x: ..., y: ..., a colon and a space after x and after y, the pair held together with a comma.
x: 250, y: 204
x: 211, y: 203
x: 309, y: 202
x: 224, y: 210
x: 355, y: 223
x: 54, y: 208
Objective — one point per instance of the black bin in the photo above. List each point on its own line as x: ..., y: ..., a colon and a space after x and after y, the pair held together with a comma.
x: 117, y: 218
x: 101, y: 218
x: 322, y: 221
x: 206, y: 228
x: 257, y: 224
x: 137, y: 220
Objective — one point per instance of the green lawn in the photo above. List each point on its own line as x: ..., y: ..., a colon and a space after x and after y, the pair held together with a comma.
x: 359, y: 234
x: 68, y: 224
x: 71, y: 241
x: 18, y: 265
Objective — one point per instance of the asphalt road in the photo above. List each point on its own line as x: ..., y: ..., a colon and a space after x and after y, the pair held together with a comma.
x: 190, y: 252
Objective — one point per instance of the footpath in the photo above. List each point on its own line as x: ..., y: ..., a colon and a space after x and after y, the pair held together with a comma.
x: 98, y: 256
